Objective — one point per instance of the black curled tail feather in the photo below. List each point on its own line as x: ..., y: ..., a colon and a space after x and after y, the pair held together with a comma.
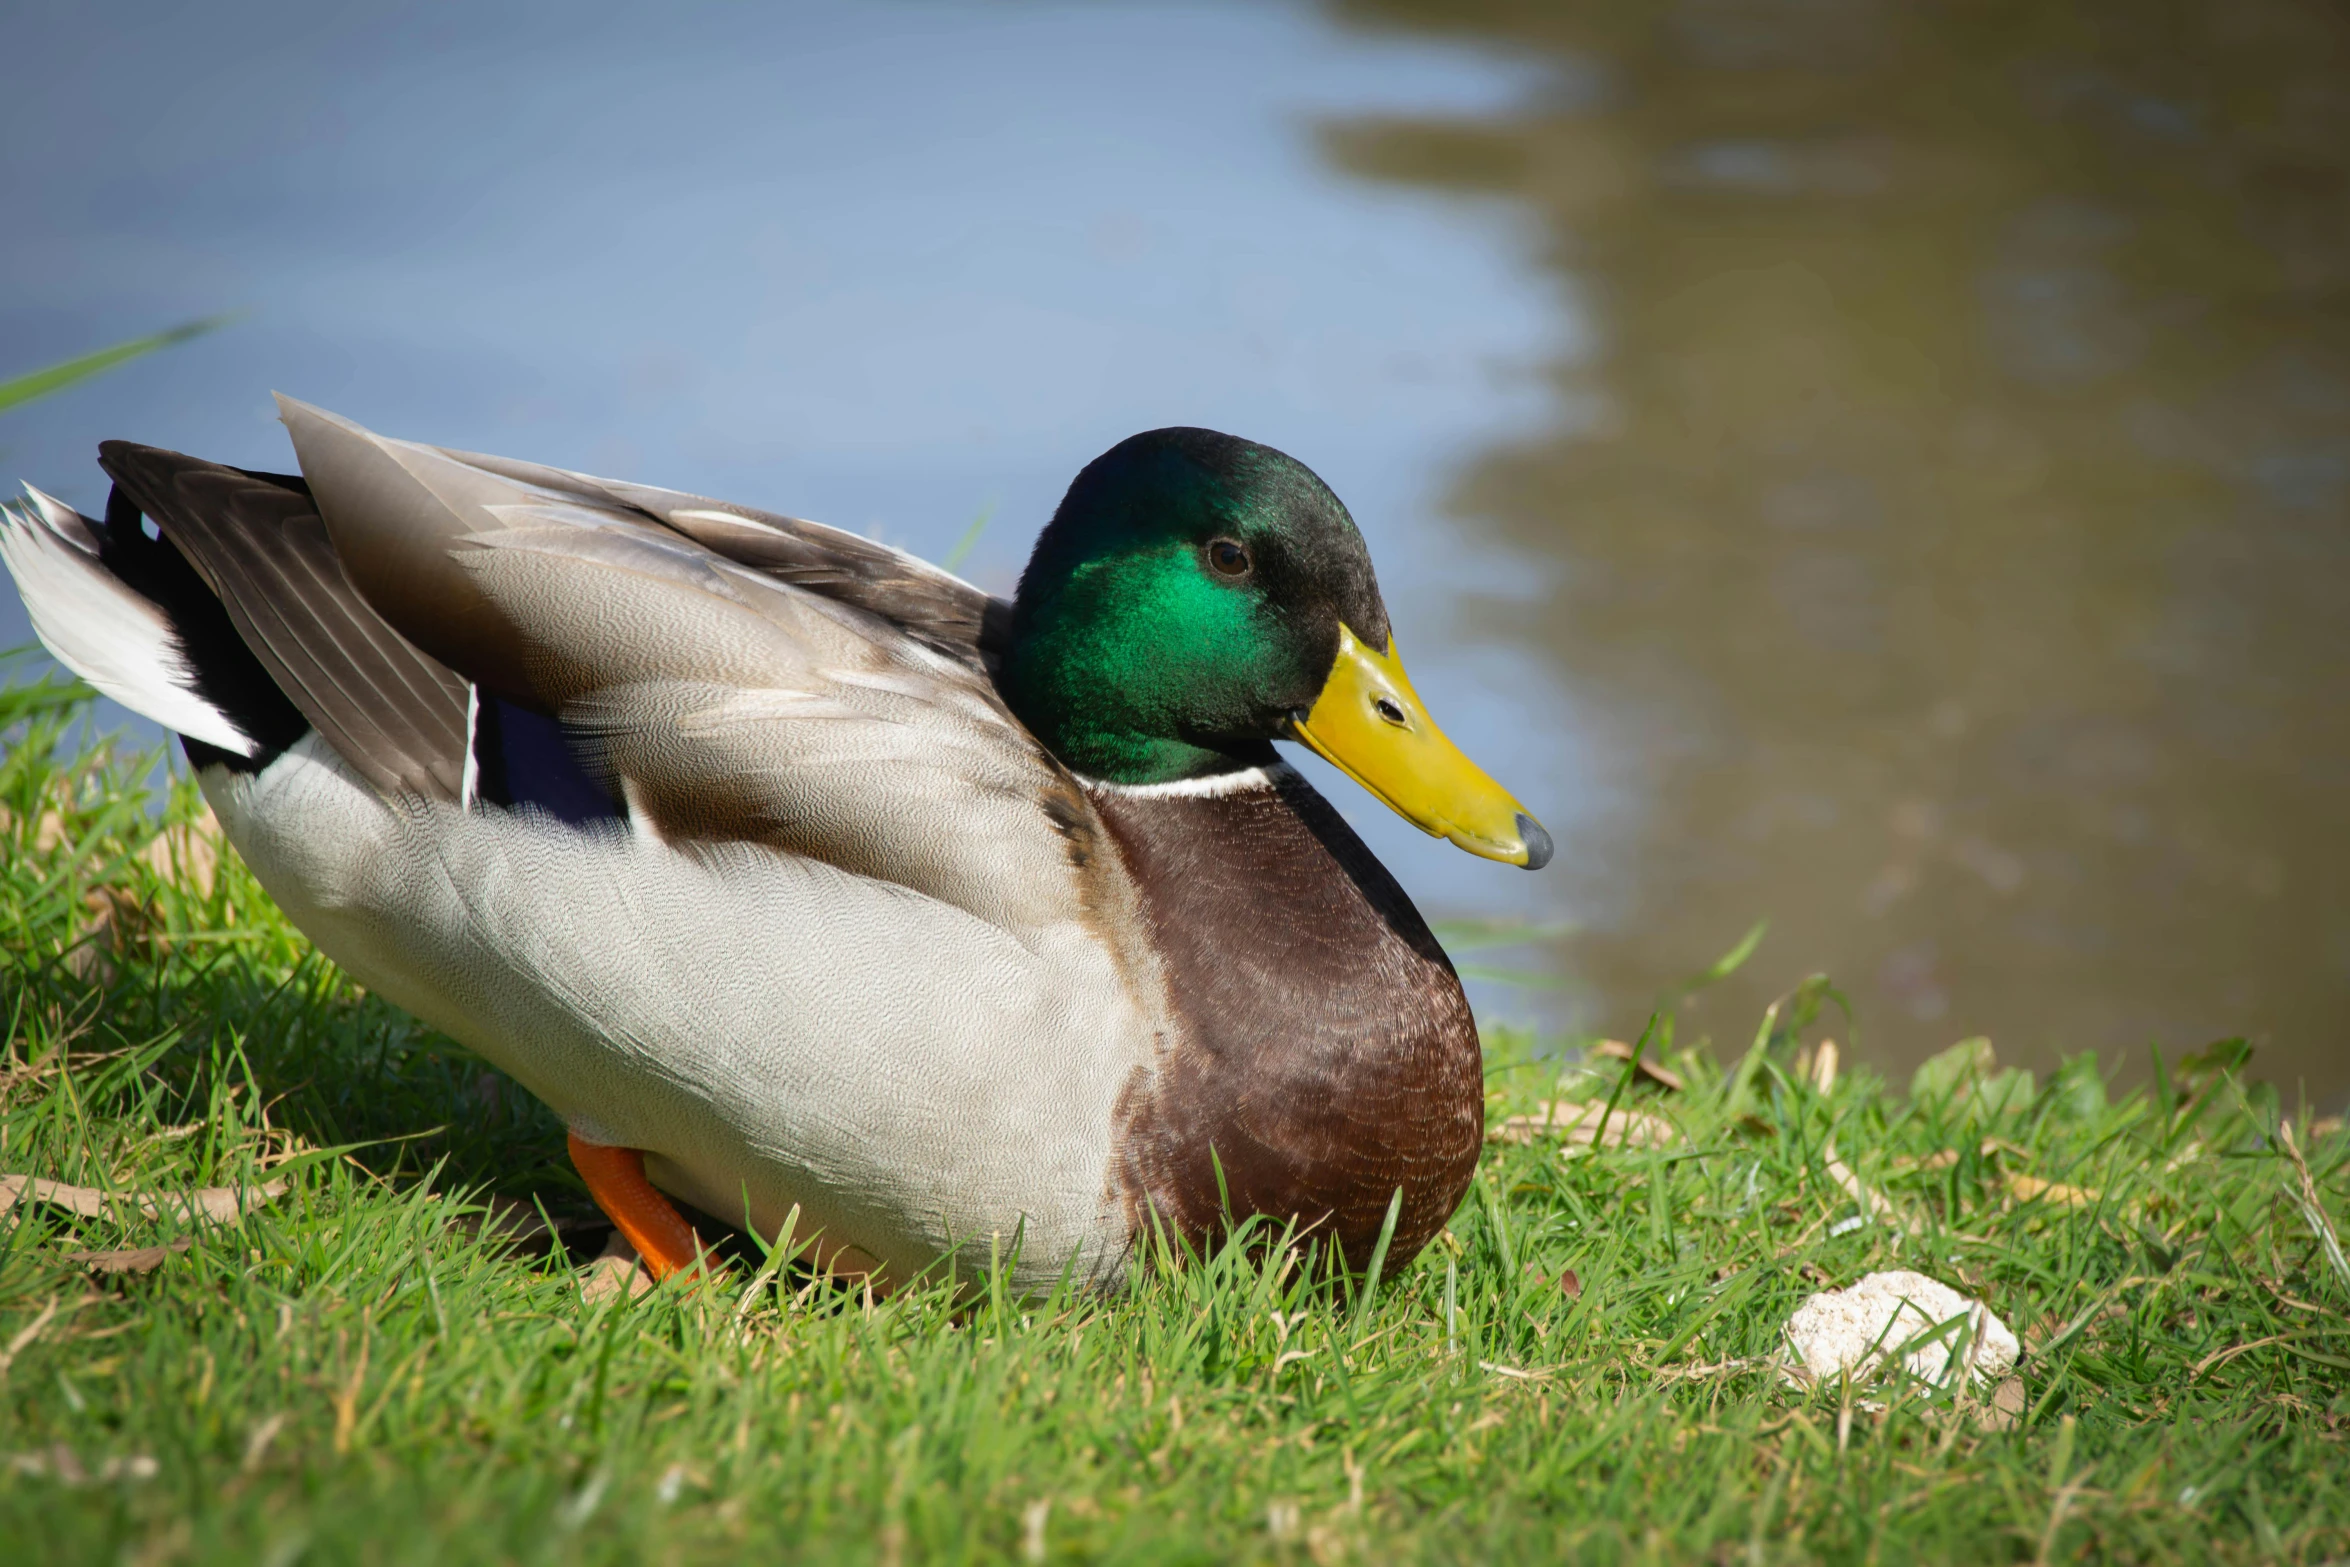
x: 221, y: 669
x: 275, y: 621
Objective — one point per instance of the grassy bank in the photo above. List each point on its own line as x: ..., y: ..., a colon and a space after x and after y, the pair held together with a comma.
x: 355, y: 1370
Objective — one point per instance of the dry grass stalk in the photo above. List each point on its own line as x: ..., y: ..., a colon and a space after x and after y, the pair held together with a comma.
x: 1873, y: 1203
x: 2311, y: 1209
x: 25, y: 1335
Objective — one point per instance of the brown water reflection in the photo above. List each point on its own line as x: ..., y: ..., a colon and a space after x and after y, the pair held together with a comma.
x: 1949, y: 511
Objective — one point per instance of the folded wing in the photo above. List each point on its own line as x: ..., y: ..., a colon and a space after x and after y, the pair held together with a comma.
x: 735, y: 677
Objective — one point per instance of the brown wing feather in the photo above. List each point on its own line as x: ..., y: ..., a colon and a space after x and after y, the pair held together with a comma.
x: 394, y: 713
x: 935, y: 607
x: 722, y: 701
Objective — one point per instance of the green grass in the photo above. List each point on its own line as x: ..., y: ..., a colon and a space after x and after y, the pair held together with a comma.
x: 351, y: 1373
x: 36, y: 384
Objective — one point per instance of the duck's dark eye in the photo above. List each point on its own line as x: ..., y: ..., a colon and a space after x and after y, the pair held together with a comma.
x: 1229, y: 557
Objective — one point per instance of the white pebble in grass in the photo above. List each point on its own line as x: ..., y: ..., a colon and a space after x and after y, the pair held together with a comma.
x: 1858, y: 1329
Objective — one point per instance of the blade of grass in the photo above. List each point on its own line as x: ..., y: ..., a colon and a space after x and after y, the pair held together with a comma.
x: 56, y: 378
x: 1378, y: 1261
x: 969, y: 541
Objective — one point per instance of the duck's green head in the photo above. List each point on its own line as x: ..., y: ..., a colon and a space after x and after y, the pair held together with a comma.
x: 1198, y: 596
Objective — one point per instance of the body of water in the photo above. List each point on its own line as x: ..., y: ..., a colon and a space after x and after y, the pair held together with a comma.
x: 1876, y: 467
x: 1944, y: 523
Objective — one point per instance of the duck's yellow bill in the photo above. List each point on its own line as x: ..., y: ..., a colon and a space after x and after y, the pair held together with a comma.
x: 1369, y: 723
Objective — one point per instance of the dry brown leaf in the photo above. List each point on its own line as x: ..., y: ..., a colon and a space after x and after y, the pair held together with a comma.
x: 1949, y: 1156
x: 219, y: 1204
x: 1579, y: 1125
x: 617, y: 1268
x: 138, y: 1259
x: 48, y: 827
x: 508, y: 1218
x: 2004, y: 1408
x: 113, y: 920
x: 517, y: 1222
x: 187, y: 852
x: 2025, y: 1188
x: 1569, y: 1285
x: 1617, y: 1050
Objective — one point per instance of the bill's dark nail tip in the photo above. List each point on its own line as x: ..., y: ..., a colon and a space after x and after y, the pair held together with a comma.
x: 1537, y: 842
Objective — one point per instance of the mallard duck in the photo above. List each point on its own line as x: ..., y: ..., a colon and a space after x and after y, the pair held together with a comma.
x: 793, y: 872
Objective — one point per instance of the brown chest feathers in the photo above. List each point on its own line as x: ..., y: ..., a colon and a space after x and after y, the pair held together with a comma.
x: 1324, y: 1050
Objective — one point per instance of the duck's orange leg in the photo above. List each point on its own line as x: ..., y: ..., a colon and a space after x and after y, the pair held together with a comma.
x: 616, y: 1180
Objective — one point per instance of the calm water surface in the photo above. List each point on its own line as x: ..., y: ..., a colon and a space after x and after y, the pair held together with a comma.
x: 1878, y: 467
x: 1941, y: 520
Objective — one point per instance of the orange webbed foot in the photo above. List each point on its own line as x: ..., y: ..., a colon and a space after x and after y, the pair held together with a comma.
x: 616, y: 1180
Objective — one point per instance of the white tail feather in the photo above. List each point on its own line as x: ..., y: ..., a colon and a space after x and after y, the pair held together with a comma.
x: 100, y: 629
